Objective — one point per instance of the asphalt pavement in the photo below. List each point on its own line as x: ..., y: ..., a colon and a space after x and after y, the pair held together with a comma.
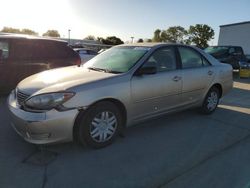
x: 180, y: 150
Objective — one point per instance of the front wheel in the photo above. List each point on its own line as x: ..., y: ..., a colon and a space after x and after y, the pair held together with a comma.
x: 100, y: 125
x: 211, y: 101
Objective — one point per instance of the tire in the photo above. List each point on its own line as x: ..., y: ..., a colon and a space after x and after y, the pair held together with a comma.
x: 99, y: 126
x: 211, y: 101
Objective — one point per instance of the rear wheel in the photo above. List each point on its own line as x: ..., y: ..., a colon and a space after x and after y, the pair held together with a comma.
x: 100, y: 125
x: 211, y: 101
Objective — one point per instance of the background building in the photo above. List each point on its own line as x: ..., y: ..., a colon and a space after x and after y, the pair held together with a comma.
x: 237, y: 34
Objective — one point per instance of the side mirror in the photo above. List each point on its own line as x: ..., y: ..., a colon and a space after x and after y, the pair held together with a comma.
x: 146, y: 70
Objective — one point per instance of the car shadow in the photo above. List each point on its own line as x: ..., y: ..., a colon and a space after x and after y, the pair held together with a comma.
x: 238, y: 97
x: 151, y: 152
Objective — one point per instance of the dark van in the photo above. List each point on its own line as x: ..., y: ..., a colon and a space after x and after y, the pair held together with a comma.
x: 22, y: 56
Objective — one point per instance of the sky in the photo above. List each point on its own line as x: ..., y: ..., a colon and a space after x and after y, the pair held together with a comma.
x: 121, y: 18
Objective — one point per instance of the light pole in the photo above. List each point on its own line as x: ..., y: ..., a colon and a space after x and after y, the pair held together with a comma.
x: 132, y: 38
x: 69, y: 35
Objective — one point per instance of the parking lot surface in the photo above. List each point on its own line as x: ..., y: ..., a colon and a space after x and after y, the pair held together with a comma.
x: 185, y: 149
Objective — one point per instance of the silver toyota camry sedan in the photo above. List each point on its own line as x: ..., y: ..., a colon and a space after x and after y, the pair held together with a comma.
x: 122, y: 86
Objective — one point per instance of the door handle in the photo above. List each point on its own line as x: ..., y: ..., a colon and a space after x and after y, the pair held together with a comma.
x: 210, y: 73
x: 176, y: 78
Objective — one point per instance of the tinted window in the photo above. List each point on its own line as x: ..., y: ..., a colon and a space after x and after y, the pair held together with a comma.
x: 190, y: 58
x: 82, y: 52
x: 21, y: 49
x: 164, y: 59
x: 231, y: 50
x: 4, y: 50
x: 91, y: 52
x: 40, y: 50
x: 238, y: 50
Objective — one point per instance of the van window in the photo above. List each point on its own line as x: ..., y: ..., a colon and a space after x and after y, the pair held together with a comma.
x: 4, y: 50
x: 238, y: 50
x: 21, y: 49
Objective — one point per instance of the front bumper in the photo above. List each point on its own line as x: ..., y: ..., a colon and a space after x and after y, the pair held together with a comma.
x: 42, y: 128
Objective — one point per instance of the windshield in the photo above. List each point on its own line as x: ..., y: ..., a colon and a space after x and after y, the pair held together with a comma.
x: 216, y: 50
x: 117, y: 59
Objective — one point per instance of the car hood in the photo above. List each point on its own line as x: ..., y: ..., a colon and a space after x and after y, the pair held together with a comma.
x: 60, y: 79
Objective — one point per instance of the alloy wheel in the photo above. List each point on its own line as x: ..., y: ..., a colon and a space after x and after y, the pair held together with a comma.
x: 103, y: 126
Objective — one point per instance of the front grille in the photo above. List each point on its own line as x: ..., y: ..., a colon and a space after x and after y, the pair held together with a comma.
x: 21, y: 97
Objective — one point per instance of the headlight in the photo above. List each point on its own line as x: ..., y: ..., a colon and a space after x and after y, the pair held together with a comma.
x: 47, y: 101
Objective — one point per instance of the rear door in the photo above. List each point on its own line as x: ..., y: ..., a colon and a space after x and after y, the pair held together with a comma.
x: 197, y: 75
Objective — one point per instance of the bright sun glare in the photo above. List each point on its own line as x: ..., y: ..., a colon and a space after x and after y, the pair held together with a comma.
x: 43, y: 15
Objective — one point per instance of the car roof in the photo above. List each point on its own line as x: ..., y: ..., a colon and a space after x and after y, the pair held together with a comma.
x: 30, y: 37
x: 225, y: 46
x: 155, y: 44
x: 149, y: 44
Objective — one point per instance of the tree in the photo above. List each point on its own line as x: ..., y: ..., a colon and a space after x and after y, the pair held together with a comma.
x: 52, y: 33
x: 112, y: 40
x: 10, y: 30
x: 90, y: 37
x: 148, y: 40
x: 28, y: 32
x: 140, y: 41
x: 18, y: 31
x: 200, y: 34
x: 173, y: 34
x: 157, y: 36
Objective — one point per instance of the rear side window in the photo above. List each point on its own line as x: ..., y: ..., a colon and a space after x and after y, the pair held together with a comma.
x: 63, y: 51
x: 191, y: 59
x: 21, y: 49
x: 4, y: 50
x: 41, y: 50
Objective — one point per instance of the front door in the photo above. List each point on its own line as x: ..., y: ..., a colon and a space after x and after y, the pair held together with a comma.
x: 156, y: 93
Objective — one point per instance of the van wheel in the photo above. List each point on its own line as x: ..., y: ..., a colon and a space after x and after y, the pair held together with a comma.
x: 99, y: 126
x: 211, y: 101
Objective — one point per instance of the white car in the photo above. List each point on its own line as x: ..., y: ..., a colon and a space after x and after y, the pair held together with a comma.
x: 85, y: 54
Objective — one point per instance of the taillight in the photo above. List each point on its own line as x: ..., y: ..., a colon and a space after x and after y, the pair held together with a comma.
x: 78, y: 61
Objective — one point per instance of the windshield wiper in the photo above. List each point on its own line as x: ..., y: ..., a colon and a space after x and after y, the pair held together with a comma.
x: 104, y: 70
x: 97, y: 69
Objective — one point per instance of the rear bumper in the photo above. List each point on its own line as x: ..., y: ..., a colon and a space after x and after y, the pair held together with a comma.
x: 42, y: 128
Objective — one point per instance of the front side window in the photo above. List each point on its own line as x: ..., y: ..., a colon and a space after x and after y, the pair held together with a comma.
x: 231, y: 50
x: 190, y: 58
x: 164, y: 59
x: 4, y: 50
x: 117, y: 59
